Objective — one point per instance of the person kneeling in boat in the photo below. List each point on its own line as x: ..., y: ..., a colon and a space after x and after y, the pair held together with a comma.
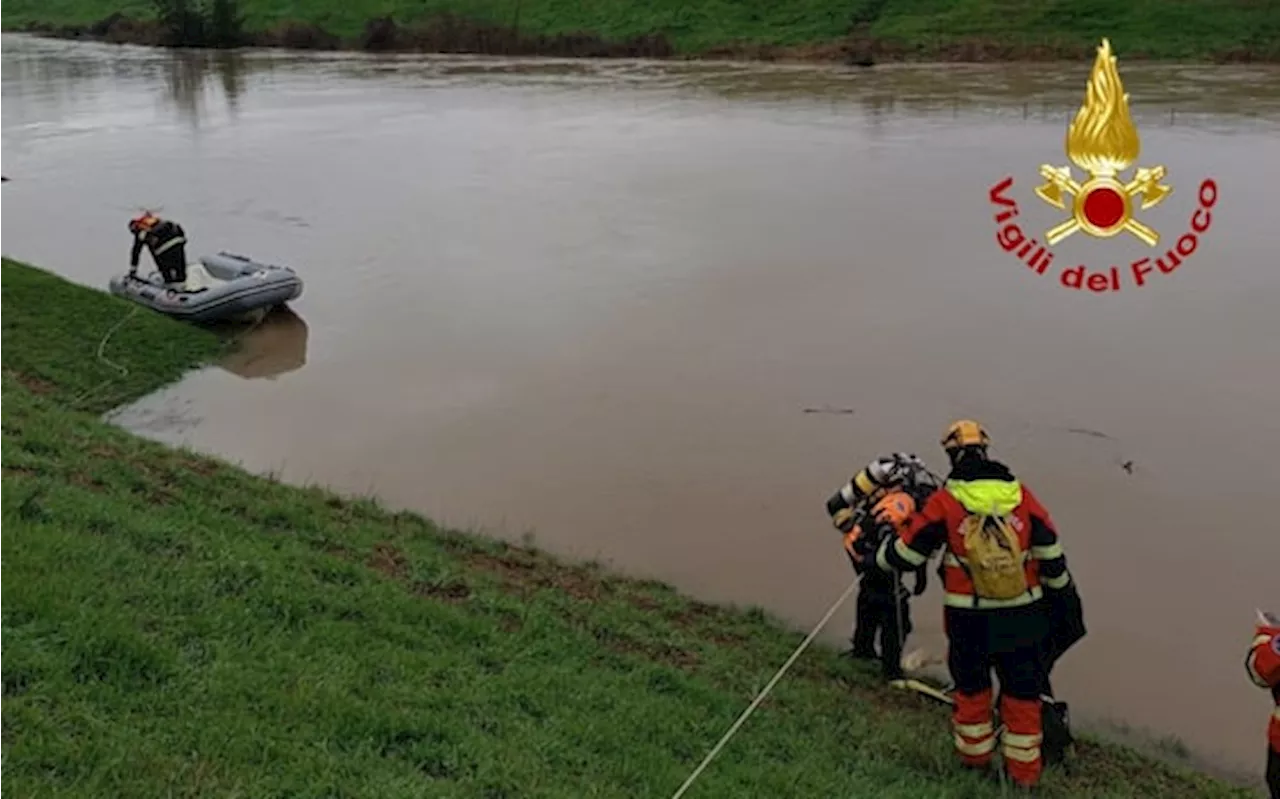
x: 166, y: 240
x: 868, y: 507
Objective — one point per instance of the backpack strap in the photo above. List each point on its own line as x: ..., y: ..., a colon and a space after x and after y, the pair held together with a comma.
x: 1026, y: 551
x: 965, y: 567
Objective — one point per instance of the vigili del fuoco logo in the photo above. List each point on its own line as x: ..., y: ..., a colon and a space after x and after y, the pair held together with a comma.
x: 1102, y: 141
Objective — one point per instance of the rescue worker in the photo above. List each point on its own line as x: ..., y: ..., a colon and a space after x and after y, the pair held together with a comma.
x: 875, y: 503
x: 166, y: 240
x: 1263, y: 665
x: 1001, y: 554
x: 882, y: 607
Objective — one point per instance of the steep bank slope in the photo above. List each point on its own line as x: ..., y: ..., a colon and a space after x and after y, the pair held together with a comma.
x: 955, y: 29
x: 176, y: 626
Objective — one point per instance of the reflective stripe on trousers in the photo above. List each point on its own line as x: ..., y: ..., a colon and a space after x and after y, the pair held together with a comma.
x: 972, y: 729
x: 980, y: 749
x: 1022, y: 748
x: 1020, y: 741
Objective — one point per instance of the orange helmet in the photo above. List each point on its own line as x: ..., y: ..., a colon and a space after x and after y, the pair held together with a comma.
x: 965, y: 433
x: 146, y: 221
x: 894, y: 509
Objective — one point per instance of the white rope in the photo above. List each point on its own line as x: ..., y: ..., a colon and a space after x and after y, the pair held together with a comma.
x: 83, y: 396
x: 102, y: 345
x: 765, y: 692
x: 123, y: 370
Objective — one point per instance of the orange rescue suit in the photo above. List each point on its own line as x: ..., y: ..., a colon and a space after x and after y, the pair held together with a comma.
x: 1263, y: 665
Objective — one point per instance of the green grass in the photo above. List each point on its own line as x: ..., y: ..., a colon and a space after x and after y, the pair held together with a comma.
x: 54, y: 339
x: 174, y: 626
x: 1174, y: 29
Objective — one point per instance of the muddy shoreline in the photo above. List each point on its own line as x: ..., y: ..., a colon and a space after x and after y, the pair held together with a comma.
x: 450, y: 34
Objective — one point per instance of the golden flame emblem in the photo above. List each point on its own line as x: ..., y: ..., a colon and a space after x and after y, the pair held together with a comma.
x: 1103, y: 141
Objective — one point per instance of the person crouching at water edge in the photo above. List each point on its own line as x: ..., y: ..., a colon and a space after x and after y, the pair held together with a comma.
x: 166, y: 240
x: 874, y: 503
x: 1263, y: 665
x: 1001, y: 553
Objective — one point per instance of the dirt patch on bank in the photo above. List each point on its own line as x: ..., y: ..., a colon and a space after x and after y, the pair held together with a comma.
x: 35, y: 385
x: 388, y: 560
x: 453, y: 34
x: 522, y: 572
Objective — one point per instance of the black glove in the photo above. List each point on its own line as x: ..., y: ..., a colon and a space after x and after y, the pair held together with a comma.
x: 866, y: 545
x: 922, y: 581
x: 873, y: 536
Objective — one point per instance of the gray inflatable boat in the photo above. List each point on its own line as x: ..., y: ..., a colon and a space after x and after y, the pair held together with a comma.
x: 222, y: 286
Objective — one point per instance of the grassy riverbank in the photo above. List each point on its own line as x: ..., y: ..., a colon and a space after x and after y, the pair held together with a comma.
x: 973, y: 30
x: 175, y: 626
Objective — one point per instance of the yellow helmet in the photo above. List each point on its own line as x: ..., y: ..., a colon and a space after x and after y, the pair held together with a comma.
x: 965, y: 433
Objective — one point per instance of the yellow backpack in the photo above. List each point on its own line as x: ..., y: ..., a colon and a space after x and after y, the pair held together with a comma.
x: 994, y: 557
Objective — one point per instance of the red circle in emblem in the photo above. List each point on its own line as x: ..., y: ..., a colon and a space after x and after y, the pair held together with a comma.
x: 1104, y: 207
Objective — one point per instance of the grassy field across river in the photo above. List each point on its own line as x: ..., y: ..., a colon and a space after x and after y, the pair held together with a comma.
x: 175, y: 626
x: 982, y: 30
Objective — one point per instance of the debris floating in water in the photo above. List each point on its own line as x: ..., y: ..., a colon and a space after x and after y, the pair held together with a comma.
x: 1084, y: 431
x: 829, y: 409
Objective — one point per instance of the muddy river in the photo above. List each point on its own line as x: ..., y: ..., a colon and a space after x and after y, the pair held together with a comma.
x: 627, y: 307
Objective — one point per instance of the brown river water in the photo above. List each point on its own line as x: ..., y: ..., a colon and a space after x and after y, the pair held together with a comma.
x: 594, y: 301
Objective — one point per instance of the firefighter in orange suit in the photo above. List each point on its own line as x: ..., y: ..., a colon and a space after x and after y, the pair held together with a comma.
x: 1263, y: 665
x: 1001, y: 555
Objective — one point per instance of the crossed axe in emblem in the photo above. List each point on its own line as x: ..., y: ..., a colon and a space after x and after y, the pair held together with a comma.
x: 1146, y: 181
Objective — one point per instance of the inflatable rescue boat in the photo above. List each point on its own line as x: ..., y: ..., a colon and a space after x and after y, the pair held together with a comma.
x: 219, y: 287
